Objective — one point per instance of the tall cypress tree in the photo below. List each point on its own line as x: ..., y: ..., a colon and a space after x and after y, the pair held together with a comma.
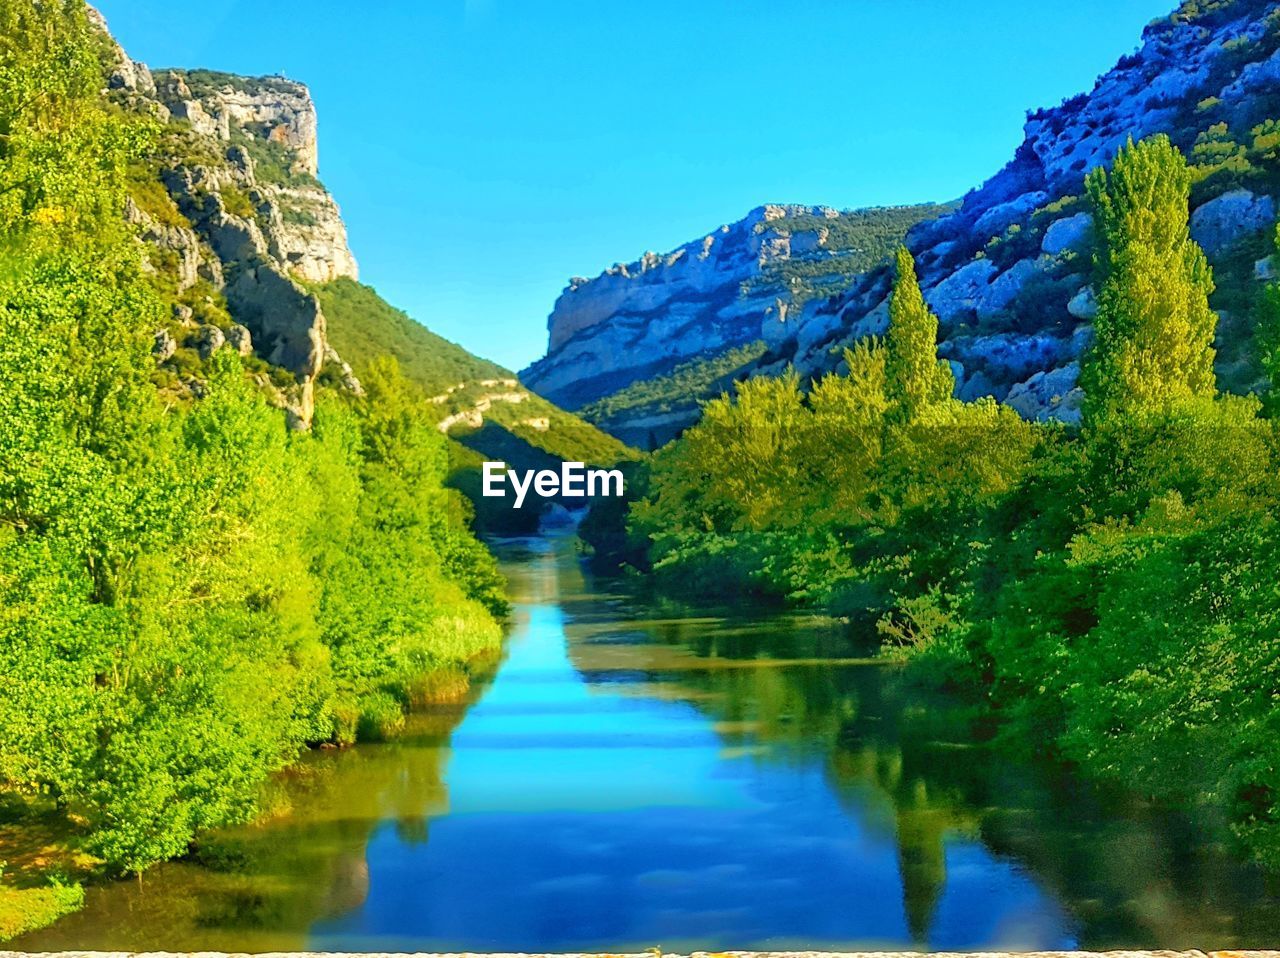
x: 1154, y: 331
x: 1268, y: 336
x: 916, y: 378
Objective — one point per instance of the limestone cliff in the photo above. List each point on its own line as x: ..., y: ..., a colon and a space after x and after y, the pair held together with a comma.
x: 643, y: 319
x: 241, y: 223
x: 251, y: 251
x: 1009, y: 271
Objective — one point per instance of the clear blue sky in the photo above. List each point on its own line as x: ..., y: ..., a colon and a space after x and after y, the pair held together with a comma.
x: 483, y: 151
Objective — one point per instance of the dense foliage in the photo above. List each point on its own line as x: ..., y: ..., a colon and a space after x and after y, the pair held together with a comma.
x: 188, y: 594
x: 1154, y: 331
x: 363, y: 326
x: 1108, y: 591
x: 681, y: 389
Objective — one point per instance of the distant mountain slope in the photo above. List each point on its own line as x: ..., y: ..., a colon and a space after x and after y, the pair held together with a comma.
x: 650, y: 412
x: 363, y: 325
x: 1008, y: 271
x: 483, y: 407
x: 640, y: 321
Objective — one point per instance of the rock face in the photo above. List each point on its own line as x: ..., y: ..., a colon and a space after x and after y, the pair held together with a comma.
x: 1068, y: 233
x: 265, y: 129
x: 249, y: 217
x: 740, y: 283
x: 1008, y: 272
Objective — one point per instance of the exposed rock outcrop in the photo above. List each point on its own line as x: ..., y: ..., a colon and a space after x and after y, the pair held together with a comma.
x: 239, y: 338
x: 165, y: 346
x: 644, y: 318
x: 187, y: 261
x: 208, y: 340
x: 1068, y: 233
x: 1220, y: 222
x: 1193, y: 70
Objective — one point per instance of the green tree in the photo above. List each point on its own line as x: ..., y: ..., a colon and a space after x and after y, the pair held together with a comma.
x: 916, y: 378
x: 188, y: 595
x: 1154, y: 331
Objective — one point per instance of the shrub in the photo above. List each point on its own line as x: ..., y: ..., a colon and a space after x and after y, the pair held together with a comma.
x: 381, y: 717
x: 26, y: 909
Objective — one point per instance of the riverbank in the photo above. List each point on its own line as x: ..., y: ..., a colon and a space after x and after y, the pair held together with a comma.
x: 40, y: 865
x: 1103, y: 589
x: 45, y: 872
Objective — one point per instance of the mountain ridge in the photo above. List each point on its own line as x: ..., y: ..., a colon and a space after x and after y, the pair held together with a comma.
x: 642, y: 319
x: 1009, y: 270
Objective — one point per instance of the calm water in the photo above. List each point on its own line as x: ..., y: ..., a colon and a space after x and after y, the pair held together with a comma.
x: 636, y: 775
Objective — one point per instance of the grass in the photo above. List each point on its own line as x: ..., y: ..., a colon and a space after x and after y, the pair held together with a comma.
x: 27, y: 909
x: 237, y: 202
x: 363, y: 326
x: 42, y: 864
x: 297, y: 216
x: 152, y: 198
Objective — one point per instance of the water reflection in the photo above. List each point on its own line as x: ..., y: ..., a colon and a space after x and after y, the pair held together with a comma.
x: 635, y: 776
x: 594, y: 805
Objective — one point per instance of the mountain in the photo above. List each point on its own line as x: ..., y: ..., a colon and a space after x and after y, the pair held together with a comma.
x: 1008, y: 271
x: 695, y: 311
x: 252, y: 253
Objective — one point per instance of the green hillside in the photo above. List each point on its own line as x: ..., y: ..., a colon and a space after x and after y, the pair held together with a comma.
x: 856, y: 241
x: 678, y: 393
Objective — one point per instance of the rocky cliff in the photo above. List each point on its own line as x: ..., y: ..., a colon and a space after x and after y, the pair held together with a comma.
x: 236, y: 224
x: 1009, y: 270
x: 643, y: 319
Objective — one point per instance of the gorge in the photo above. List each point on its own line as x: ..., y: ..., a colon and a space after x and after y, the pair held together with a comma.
x: 938, y: 611
x: 700, y: 776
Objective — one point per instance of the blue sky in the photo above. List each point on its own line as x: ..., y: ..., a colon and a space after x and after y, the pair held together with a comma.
x: 484, y: 151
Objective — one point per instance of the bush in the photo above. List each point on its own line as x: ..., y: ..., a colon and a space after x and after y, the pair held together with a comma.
x: 238, y: 202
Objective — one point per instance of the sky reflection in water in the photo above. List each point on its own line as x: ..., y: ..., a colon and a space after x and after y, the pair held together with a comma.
x: 589, y: 815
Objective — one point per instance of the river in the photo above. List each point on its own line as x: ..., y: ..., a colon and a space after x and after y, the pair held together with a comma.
x: 636, y: 773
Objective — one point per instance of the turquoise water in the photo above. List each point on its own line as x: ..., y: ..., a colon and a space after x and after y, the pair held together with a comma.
x: 639, y: 774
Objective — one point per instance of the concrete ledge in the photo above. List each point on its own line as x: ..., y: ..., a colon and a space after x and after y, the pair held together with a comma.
x: 652, y: 954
